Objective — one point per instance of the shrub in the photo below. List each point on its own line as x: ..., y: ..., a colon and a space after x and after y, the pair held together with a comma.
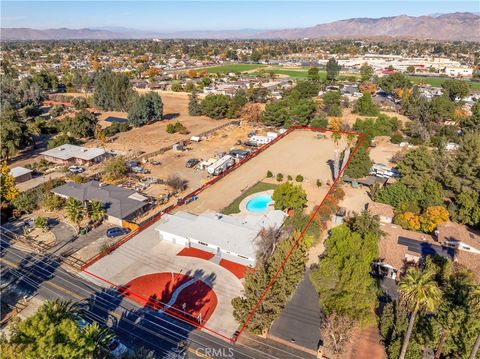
x: 115, y: 128
x: 299, y: 178
x: 396, y: 138
x: 176, y: 128
x: 41, y: 222
x: 289, y: 178
x: 319, y: 183
x: 269, y: 174
x: 177, y: 183
x: 279, y: 177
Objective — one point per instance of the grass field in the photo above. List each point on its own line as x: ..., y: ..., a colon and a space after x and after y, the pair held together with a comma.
x: 234, y: 207
x: 437, y: 81
x: 233, y: 68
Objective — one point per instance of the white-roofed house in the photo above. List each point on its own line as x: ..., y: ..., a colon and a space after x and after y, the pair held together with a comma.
x: 21, y: 174
x: 72, y: 154
x: 229, y: 237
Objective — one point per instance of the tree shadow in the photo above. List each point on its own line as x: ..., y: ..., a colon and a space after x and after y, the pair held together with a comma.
x: 331, y: 164
x: 170, y: 116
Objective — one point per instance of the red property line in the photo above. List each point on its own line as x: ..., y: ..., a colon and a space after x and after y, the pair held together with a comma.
x: 202, y: 188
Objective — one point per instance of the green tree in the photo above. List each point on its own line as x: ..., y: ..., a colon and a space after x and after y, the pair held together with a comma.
x: 59, y: 140
x: 331, y: 103
x: 394, y: 81
x: 456, y: 88
x: 96, y: 210
x: 74, y: 210
x: 115, y: 169
x: 216, y: 106
x: 360, y: 164
x: 366, y: 72
x: 305, y: 89
x: 466, y: 208
x: 441, y: 109
x: 313, y: 74
x: 194, y: 108
x: 472, y: 123
x: 420, y: 293
x: 79, y: 103
x: 333, y: 69
x: 418, y: 166
x: 302, y: 112
x: 145, y: 109
x: 81, y: 125
x: 52, y: 202
x: 365, y: 106
x: 275, y: 114
x: 13, y: 134
x: 289, y: 196
x: 113, y: 91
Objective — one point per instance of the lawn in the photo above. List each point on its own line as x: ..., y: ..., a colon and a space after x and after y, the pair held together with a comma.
x: 234, y: 207
x: 232, y: 68
x: 437, y: 81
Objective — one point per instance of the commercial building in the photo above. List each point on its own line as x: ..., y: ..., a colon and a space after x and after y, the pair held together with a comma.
x: 229, y: 237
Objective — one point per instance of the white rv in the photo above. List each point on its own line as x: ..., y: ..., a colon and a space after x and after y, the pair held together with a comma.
x: 263, y: 140
x: 221, y: 165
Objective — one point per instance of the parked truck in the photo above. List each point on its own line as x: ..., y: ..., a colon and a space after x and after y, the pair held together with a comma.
x: 221, y: 165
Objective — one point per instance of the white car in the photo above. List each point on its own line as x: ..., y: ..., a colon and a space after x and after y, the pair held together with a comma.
x: 76, y: 169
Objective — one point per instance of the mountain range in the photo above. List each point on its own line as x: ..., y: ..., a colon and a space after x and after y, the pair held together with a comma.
x: 454, y: 26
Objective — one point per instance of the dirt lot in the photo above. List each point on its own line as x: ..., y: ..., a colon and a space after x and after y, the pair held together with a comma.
x: 350, y: 117
x: 300, y: 152
x: 384, y: 150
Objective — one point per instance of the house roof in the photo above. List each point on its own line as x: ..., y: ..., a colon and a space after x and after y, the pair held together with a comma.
x: 19, y: 171
x: 232, y: 233
x: 68, y: 151
x: 119, y: 202
x: 454, y: 232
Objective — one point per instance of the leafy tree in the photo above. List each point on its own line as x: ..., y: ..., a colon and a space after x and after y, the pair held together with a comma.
x: 96, y: 210
x: 113, y: 91
x: 257, y: 94
x: 365, y: 106
x: 145, y: 109
x: 59, y: 140
x: 236, y: 104
x: 313, y: 74
x: 466, y: 208
x: 365, y: 223
x: 344, y: 291
x: 216, y: 106
x: 115, y: 169
x: 456, y: 88
x: 74, y: 210
x: 115, y: 128
x: 319, y: 122
x: 472, y: 123
x: 360, y: 164
x: 411, y: 69
x: 275, y: 114
x: 305, y: 89
x: 82, y: 125
x: 194, y: 108
x: 394, y: 81
x: 331, y: 103
x: 333, y: 69
x: 441, y: 109
x: 408, y: 220
x: 8, y: 191
x: 366, y: 72
x: 45, y: 80
x: 13, y: 134
x: 303, y: 111
x: 432, y: 217
x: 420, y: 293
x: 289, y: 196
x: 418, y: 166
x: 79, y: 103
x: 52, y: 202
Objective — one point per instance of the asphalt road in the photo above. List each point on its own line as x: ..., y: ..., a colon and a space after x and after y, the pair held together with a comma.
x: 135, y: 326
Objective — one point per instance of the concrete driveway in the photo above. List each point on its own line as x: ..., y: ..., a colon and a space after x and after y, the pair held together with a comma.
x: 145, y: 254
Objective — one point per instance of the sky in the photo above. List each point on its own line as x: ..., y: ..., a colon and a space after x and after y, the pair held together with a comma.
x: 169, y: 16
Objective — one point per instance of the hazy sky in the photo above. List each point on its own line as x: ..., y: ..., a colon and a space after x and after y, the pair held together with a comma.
x: 209, y: 15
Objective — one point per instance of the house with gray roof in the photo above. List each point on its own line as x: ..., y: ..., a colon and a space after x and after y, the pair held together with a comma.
x: 121, y: 204
x: 229, y: 237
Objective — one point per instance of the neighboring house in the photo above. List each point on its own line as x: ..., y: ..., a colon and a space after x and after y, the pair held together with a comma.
x: 454, y: 241
x: 121, y: 204
x: 384, y: 211
x: 72, y: 154
x: 229, y: 237
x: 21, y: 174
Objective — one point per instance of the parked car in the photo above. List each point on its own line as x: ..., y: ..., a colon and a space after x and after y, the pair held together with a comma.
x: 155, y: 162
x: 116, y: 231
x: 116, y: 348
x: 191, y: 162
x: 132, y: 163
x: 139, y: 169
x: 76, y: 169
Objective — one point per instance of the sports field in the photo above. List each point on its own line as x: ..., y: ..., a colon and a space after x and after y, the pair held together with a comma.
x: 232, y: 68
x: 437, y: 81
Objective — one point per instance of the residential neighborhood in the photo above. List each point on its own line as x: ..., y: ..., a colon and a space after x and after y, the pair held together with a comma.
x: 240, y: 193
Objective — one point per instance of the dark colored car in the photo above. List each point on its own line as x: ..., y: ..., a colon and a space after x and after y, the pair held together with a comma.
x: 191, y: 162
x: 116, y: 231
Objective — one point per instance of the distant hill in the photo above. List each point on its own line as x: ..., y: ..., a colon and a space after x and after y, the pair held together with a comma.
x: 455, y: 26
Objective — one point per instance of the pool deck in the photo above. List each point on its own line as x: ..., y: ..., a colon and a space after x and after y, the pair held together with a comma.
x: 243, y: 204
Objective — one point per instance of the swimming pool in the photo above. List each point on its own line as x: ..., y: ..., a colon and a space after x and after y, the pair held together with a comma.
x: 259, y: 203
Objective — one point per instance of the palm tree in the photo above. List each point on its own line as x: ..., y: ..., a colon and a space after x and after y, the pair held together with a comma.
x: 75, y: 210
x: 474, y: 298
x: 96, y: 210
x: 420, y: 292
x: 60, y: 309
x: 335, y: 124
x: 96, y: 338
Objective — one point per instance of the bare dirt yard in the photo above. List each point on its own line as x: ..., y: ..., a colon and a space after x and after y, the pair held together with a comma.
x: 300, y: 152
x: 385, y: 150
x: 350, y: 117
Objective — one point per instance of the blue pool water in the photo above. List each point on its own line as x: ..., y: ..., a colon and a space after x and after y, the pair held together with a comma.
x: 259, y: 203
